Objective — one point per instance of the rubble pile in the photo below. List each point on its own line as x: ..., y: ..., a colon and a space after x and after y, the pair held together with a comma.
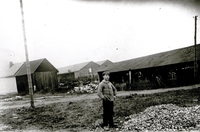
x: 89, y: 88
x: 164, y: 117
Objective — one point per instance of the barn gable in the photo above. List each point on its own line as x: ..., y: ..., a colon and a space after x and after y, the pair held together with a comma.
x: 45, y: 66
x: 105, y: 65
x: 89, y: 70
x: 104, y: 62
x: 72, y: 68
x: 81, y: 71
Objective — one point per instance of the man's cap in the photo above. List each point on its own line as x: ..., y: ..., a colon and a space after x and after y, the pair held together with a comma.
x: 105, y: 73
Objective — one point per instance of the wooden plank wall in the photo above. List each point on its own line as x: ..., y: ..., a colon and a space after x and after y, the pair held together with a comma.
x: 46, y: 80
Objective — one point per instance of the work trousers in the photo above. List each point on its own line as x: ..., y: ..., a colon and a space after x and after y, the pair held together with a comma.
x: 107, y: 112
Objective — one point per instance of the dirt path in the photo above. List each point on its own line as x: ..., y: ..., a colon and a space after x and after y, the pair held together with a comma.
x: 55, y: 99
x: 45, y: 100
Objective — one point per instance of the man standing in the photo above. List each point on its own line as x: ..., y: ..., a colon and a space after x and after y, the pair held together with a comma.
x: 107, y: 92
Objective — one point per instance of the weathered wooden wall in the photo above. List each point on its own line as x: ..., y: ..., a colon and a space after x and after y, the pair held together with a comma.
x: 44, y: 80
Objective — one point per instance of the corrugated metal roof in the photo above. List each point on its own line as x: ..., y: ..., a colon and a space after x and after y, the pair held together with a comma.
x: 33, y: 65
x: 155, y: 60
x: 72, y: 68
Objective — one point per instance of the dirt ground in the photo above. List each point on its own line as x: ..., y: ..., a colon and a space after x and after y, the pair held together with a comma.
x: 48, y: 99
x: 43, y: 100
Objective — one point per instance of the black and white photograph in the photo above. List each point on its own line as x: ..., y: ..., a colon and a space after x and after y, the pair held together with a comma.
x: 100, y: 65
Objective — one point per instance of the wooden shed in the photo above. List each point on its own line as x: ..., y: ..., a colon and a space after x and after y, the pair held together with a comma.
x: 166, y: 69
x: 43, y: 73
x: 86, y: 70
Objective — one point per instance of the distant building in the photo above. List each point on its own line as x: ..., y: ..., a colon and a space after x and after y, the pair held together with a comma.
x: 104, y: 65
x: 82, y: 71
x: 166, y: 69
x: 43, y: 73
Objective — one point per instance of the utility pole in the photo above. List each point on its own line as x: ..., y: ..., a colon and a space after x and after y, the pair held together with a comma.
x: 27, y: 60
x: 195, y: 51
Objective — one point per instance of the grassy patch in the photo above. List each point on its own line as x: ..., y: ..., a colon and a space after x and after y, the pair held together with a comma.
x: 81, y: 115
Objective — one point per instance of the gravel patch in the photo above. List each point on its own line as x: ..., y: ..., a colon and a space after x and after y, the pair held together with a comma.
x: 166, y: 117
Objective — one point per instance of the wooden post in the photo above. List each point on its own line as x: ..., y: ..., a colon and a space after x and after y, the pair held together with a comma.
x: 195, y: 51
x: 27, y: 60
x: 52, y: 82
x: 129, y: 78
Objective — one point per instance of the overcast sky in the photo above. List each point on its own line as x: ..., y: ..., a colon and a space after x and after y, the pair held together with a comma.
x: 68, y: 32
